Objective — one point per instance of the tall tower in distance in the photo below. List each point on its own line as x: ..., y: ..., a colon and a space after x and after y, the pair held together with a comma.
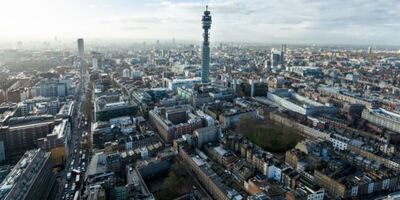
x: 80, y: 48
x: 283, y: 54
x: 81, y: 61
x: 205, y: 61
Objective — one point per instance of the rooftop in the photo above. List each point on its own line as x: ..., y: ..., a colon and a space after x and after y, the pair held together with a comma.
x: 24, y: 172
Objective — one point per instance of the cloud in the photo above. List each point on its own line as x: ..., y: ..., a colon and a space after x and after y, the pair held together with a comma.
x: 141, y: 19
x: 318, y: 21
x: 135, y: 28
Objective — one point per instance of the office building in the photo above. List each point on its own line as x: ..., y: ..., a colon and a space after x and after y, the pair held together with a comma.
x: 53, y: 88
x: 173, y: 122
x: 31, y: 178
x: 57, y: 142
x: 21, y: 133
x: 111, y: 106
x: 276, y: 59
x: 384, y: 118
x: 174, y: 84
x: 294, y: 102
x: 206, y: 134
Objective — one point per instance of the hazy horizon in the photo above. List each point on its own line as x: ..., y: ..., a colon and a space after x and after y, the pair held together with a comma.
x: 359, y: 22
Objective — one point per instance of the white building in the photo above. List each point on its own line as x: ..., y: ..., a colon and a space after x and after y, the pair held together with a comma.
x: 174, y: 84
x: 310, y: 194
x: 126, y: 73
x: 305, y: 71
x: 52, y: 88
x: 144, y: 153
x: 124, y: 123
x: 382, y: 117
x: 292, y: 101
x: 339, y: 142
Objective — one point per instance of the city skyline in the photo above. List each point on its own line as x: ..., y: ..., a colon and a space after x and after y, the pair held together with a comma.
x: 290, y: 21
x: 200, y: 100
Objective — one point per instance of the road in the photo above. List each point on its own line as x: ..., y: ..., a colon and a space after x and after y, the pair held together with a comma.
x: 75, y: 163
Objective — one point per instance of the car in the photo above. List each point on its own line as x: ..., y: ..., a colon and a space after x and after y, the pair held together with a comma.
x: 77, y: 179
x: 83, y: 167
x: 73, y: 188
x: 69, y: 176
x: 66, y: 186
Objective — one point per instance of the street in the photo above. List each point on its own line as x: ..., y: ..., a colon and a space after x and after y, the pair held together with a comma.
x: 72, y: 176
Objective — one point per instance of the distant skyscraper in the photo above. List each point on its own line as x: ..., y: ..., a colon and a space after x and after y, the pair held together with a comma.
x: 283, y: 54
x: 80, y: 48
x: 158, y: 43
x: 276, y: 58
x: 205, y: 62
x: 81, y: 61
x: 369, y: 50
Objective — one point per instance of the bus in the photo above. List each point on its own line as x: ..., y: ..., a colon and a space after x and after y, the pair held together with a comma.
x: 76, y: 171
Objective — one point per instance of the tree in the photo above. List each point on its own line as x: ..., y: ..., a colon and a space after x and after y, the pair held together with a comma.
x: 268, y: 135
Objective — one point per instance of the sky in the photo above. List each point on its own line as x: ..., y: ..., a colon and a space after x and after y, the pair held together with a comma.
x: 266, y: 21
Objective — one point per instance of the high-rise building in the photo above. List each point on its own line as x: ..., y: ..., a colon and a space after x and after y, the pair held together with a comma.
x: 80, y: 47
x: 283, y: 54
x: 81, y: 61
x: 205, y: 62
x: 276, y: 59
